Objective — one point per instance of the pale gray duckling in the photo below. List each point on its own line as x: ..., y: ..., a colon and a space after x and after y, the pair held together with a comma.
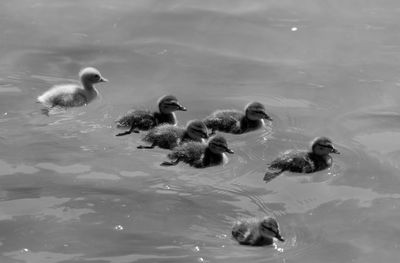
x: 256, y: 231
x: 168, y: 136
x: 145, y: 120
x: 316, y: 159
x: 238, y: 122
x: 200, y: 155
x: 73, y: 95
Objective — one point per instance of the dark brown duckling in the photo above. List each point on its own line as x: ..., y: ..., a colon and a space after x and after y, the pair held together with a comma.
x: 237, y: 122
x: 256, y: 232
x: 168, y: 136
x: 316, y: 159
x: 145, y: 120
x: 200, y: 155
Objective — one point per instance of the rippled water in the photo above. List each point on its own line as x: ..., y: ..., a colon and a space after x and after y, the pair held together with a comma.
x: 70, y: 191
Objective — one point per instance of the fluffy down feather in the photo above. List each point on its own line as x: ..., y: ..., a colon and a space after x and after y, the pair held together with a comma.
x: 298, y: 162
x: 225, y: 121
x: 141, y: 119
x: 190, y: 152
x: 66, y: 96
x: 165, y: 136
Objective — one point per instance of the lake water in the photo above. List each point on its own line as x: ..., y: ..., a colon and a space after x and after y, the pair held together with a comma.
x: 70, y: 191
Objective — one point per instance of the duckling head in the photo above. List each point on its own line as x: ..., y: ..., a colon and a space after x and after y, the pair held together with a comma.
x: 197, y: 129
x: 323, y: 146
x: 169, y: 104
x: 269, y: 228
x: 256, y: 111
x: 218, y: 144
x: 91, y: 76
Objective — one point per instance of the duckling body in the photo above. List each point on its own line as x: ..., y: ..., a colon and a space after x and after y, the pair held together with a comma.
x: 145, y: 120
x: 315, y: 160
x: 190, y: 153
x: 168, y: 136
x: 200, y: 155
x: 256, y: 232
x: 237, y: 122
x: 73, y: 95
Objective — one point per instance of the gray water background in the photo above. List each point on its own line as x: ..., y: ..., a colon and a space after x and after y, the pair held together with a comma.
x: 70, y: 191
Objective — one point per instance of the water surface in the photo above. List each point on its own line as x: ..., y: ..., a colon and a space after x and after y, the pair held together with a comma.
x: 70, y: 191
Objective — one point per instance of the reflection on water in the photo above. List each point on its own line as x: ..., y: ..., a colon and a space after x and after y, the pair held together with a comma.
x: 70, y: 191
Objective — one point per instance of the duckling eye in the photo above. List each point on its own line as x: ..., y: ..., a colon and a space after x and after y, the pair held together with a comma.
x: 168, y: 105
x: 325, y: 146
x: 268, y: 228
x: 96, y: 77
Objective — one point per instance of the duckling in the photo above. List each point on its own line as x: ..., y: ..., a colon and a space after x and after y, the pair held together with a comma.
x: 256, y: 232
x: 237, y: 122
x: 200, y: 155
x: 316, y: 159
x: 168, y: 136
x: 145, y: 120
x: 72, y: 95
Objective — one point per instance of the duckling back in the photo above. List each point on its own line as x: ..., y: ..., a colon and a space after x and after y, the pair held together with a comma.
x: 256, y: 232
x: 225, y: 121
x: 165, y: 136
x: 297, y: 162
x: 141, y: 119
x: 294, y: 161
x: 240, y: 232
x: 68, y: 95
x: 189, y: 152
x: 247, y: 232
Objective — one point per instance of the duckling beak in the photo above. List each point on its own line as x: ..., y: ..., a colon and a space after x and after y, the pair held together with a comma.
x: 102, y: 79
x: 279, y: 237
x: 267, y: 117
x: 229, y: 151
x: 180, y: 107
x: 335, y: 151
